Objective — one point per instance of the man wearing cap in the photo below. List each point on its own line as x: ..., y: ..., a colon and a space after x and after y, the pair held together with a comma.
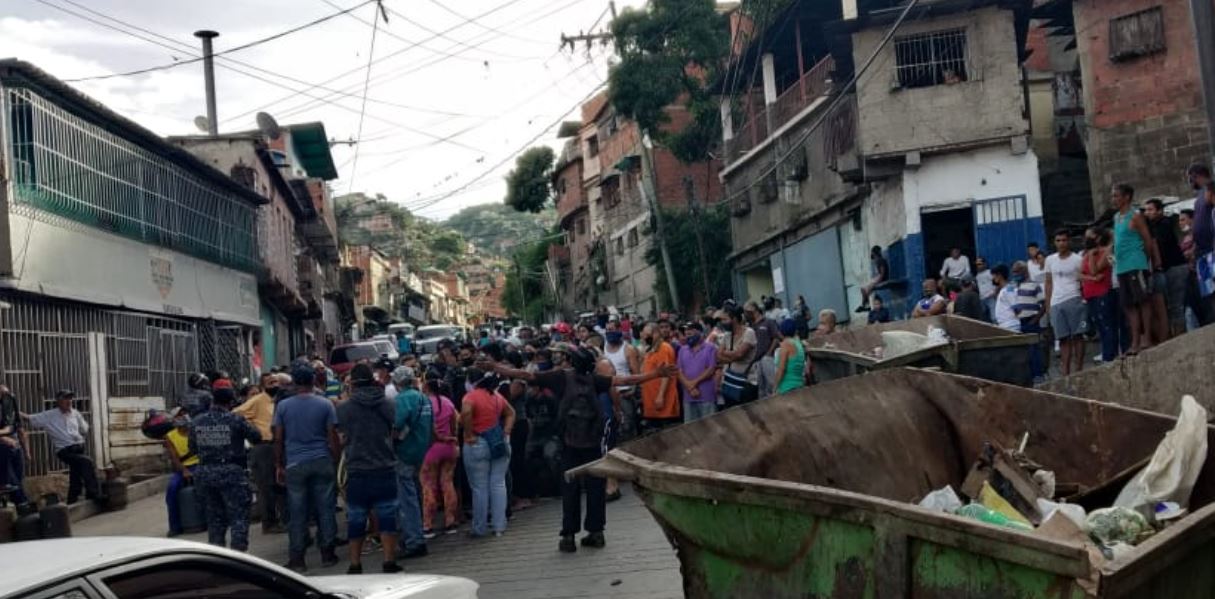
x: 197, y: 398
x: 969, y: 303
x: 259, y: 411
x: 414, y: 423
x: 66, y: 428
x: 306, y: 448
x: 218, y: 439
x: 383, y: 375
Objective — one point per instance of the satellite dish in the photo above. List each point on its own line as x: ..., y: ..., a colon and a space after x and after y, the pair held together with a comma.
x: 202, y: 123
x: 268, y: 126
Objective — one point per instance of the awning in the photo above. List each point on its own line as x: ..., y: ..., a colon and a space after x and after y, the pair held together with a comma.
x: 311, y: 146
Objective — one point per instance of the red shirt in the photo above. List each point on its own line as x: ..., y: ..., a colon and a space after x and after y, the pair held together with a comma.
x: 1098, y: 288
x: 486, y: 409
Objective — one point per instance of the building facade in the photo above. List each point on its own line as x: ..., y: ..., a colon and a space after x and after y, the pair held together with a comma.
x: 126, y: 265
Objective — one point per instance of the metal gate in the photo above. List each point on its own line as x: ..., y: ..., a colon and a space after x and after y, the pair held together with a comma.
x: 48, y: 345
x: 1002, y: 229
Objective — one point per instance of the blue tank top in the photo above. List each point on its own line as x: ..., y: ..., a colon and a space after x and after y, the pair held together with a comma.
x: 1129, y: 254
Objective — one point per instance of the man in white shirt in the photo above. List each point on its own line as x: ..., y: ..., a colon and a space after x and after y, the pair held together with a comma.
x: 1005, y: 314
x: 1068, y: 312
x: 956, y: 267
x: 66, y: 429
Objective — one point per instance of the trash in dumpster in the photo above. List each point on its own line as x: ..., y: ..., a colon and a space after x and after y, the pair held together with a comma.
x: 982, y: 513
x: 993, y: 501
x: 1073, y: 512
x: 1008, y: 477
x: 942, y: 500
x: 1118, y: 525
x: 1169, y: 510
x: 1174, y: 467
x: 1046, y: 482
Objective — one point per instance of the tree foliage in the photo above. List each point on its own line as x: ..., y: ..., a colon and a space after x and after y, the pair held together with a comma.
x: 420, y: 243
x: 669, y: 52
x: 496, y: 228
x: 681, y: 231
x: 527, y: 292
x: 529, y: 186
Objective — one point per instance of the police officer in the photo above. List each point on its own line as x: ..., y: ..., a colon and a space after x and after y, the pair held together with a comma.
x: 218, y: 438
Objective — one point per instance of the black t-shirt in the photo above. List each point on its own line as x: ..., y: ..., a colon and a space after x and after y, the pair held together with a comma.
x: 1164, y: 231
x: 882, y: 267
x: 554, y: 380
x: 969, y: 304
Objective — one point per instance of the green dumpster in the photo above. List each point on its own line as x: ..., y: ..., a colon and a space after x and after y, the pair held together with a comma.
x: 811, y: 494
x: 975, y: 348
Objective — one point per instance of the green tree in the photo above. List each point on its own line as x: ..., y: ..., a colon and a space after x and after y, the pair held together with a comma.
x: 529, y: 186
x: 688, y: 235
x: 670, y: 52
x: 496, y: 228
x: 526, y: 292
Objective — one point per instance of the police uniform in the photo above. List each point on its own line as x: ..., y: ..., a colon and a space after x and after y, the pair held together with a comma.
x: 218, y: 439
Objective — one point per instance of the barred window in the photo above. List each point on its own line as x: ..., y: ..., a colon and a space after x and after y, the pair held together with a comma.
x: 929, y: 59
x: 1137, y: 34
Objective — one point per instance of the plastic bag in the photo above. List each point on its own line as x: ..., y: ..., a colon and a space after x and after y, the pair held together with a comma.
x: 1117, y: 525
x: 942, y: 500
x: 1175, y: 466
x: 982, y: 513
x: 1074, y: 512
x: 991, y: 499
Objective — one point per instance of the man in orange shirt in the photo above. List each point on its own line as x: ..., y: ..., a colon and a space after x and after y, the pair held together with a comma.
x: 659, y: 397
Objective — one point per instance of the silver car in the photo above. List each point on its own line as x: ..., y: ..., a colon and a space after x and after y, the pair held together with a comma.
x: 150, y: 568
x: 426, y: 339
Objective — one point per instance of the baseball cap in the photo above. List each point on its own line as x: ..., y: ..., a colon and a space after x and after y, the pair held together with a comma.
x: 65, y: 394
x: 361, y: 374
x: 221, y: 384
x: 385, y: 364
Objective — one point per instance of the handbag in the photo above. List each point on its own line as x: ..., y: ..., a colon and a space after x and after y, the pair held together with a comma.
x: 495, y: 438
x: 736, y: 387
x: 1205, y: 265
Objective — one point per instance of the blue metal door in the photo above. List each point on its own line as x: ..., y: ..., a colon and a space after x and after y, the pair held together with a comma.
x: 814, y: 270
x: 1003, y: 229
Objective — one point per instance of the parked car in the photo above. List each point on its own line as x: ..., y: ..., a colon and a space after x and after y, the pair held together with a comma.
x: 148, y: 568
x: 344, y: 357
x: 426, y: 339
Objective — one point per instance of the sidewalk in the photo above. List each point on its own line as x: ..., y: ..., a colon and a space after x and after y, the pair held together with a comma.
x: 524, y: 564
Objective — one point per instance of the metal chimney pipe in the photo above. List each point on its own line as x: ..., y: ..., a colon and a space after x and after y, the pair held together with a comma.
x: 209, y: 75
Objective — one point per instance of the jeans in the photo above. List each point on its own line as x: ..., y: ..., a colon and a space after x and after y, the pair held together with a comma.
x: 176, y: 482
x: 571, y: 494
x: 1028, y: 327
x: 989, y: 307
x: 312, y: 485
x: 410, y: 507
x: 12, y: 472
x: 81, y: 472
x: 695, y: 410
x: 269, y: 503
x: 488, y: 481
x: 766, y: 376
x: 522, y: 478
x: 1105, y: 311
x: 371, y: 492
x: 1175, y: 292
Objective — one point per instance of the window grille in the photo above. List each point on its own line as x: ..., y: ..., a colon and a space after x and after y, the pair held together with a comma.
x: 1137, y: 34
x: 929, y: 59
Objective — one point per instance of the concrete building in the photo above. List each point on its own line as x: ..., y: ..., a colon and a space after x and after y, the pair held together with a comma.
x: 571, y: 261
x: 1141, y: 90
x: 126, y: 264
x: 930, y: 152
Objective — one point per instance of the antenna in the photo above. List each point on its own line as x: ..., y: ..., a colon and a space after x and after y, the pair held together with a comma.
x: 268, y: 126
x: 202, y: 123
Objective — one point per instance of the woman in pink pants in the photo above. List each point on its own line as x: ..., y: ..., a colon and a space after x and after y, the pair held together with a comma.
x: 439, y: 468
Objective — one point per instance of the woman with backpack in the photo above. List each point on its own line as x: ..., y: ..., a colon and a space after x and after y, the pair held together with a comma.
x: 582, y: 428
x: 439, y: 467
x: 487, y: 419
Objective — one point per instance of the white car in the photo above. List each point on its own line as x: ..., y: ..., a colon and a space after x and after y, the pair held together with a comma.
x: 150, y: 568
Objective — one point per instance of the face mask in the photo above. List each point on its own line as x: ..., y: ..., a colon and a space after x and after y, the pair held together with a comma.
x: 558, y: 337
x: 467, y: 361
x: 927, y: 293
x: 694, y: 339
x: 648, y: 340
x: 614, y: 337
x: 1018, y: 278
x: 723, y: 326
x: 1090, y: 243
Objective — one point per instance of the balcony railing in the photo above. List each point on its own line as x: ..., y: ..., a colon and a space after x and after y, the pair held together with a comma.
x: 813, y: 84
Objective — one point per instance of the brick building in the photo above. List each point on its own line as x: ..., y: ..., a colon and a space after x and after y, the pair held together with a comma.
x: 1142, y: 92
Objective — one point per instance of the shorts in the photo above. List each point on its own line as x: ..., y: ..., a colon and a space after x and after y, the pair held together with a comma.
x: 371, y: 491
x: 1069, y: 319
x: 1134, y: 288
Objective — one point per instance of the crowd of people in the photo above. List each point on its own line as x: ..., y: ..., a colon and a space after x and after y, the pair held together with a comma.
x: 1137, y: 283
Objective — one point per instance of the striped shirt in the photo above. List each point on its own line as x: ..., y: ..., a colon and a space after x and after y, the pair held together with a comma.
x: 1029, y: 300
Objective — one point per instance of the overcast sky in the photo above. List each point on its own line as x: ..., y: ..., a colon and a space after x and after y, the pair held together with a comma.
x: 441, y: 110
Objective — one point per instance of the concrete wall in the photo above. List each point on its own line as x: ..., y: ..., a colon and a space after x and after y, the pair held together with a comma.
x: 964, y: 177
x: 1154, y: 380
x: 988, y: 105
x: 1145, y: 114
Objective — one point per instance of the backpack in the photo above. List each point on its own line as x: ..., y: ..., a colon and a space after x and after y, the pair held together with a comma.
x: 581, y: 418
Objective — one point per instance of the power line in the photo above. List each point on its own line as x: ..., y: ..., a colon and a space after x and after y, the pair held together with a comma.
x: 517, y: 151
x: 354, y: 169
x: 796, y: 145
x: 189, y: 49
x: 450, y: 11
x: 228, y: 51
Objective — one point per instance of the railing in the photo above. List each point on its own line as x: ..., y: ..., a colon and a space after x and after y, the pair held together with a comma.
x: 813, y: 84
x: 73, y: 168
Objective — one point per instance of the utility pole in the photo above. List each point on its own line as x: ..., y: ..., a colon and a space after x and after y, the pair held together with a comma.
x: 694, y: 212
x: 647, y: 147
x: 589, y: 38
x: 1202, y: 13
x: 522, y: 297
x: 209, y: 77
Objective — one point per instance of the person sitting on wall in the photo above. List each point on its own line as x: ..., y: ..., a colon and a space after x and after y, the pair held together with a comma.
x: 878, y: 312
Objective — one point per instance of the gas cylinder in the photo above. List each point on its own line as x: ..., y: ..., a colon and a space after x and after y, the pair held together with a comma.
x: 29, y: 523
x: 56, y: 519
x: 190, y: 506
